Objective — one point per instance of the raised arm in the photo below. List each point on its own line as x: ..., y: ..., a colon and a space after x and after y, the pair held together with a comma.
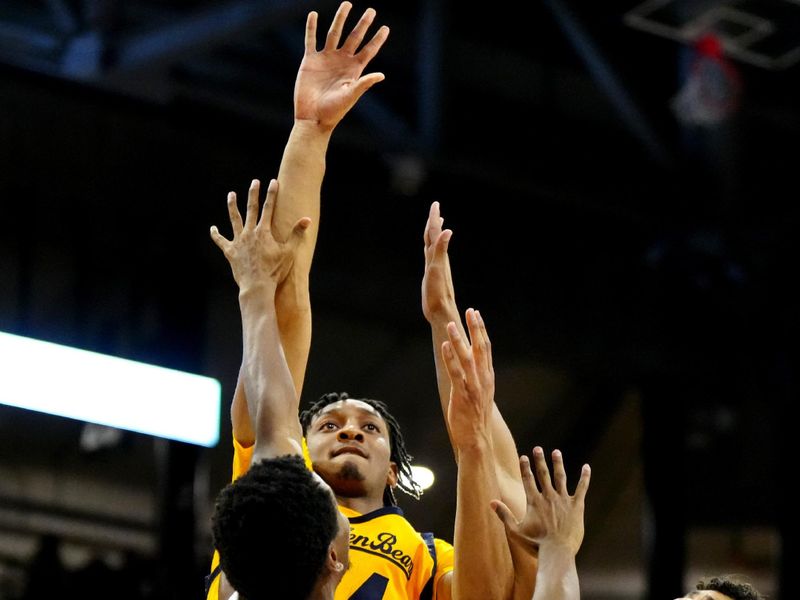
x: 329, y: 83
x: 483, y: 567
x: 265, y: 408
x: 440, y: 308
x: 259, y: 263
x: 551, y: 530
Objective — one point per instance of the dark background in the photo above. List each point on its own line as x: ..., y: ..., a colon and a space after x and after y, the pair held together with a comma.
x: 620, y: 256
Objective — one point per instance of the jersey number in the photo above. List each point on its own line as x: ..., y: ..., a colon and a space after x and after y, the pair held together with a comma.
x: 372, y: 589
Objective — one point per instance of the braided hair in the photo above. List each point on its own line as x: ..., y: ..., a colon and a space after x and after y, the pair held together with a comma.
x: 399, y: 455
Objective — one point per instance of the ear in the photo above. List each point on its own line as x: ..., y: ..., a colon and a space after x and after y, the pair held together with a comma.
x: 333, y: 564
x: 392, y: 476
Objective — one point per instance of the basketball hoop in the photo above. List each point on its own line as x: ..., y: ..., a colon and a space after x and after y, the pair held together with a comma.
x: 711, y: 92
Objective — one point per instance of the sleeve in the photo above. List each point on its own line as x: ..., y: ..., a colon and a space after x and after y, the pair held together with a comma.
x: 445, y: 558
x: 242, y: 457
x: 306, y: 455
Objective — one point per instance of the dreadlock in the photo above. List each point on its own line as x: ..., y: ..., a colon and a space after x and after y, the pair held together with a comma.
x: 399, y: 455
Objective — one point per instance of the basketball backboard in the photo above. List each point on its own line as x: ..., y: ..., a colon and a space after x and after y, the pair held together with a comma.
x: 764, y: 34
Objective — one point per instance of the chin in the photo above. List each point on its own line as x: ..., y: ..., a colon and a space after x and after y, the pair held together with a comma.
x: 349, y: 471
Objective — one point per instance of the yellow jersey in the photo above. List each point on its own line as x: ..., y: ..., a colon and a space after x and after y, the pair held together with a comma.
x: 389, y: 559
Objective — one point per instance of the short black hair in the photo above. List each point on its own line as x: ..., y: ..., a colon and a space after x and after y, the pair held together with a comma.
x: 273, y: 527
x: 399, y: 455
x: 730, y: 585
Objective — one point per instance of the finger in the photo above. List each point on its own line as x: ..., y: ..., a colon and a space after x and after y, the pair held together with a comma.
x: 469, y: 315
x: 478, y: 341
x: 218, y: 238
x: 441, y: 244
x: 269, y: 203
x: 251, y: 217
x: 311, y: 32
x: 583, y: 483
x: 559, y: 473
x: 372, y: 47
x: 453, y: 367
x: 504, y: 514
x: 233, y: 214
x: 527, y: 479
x: 335, y: 31
x: 353, y: 41
x: 484, y: 335
x: 364, y: 83
x: 433, y: 228
x: 461, y: 348
x: 435, y: 213
x: 542, y: 472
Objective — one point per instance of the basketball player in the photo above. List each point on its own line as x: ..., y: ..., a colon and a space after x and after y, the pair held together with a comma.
x: 276, y: 528
x: 358, y: 462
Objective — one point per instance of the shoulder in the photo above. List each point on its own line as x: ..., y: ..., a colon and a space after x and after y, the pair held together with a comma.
x: 445, y: 555
x: 442, y: 545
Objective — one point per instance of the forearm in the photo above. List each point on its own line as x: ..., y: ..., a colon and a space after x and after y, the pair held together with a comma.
x: 294, y: 322
x: 271, y: 399
x: 300, y: 178
x: 241, y: 423
x: 557, y: 577
x: 506, y: 459
x: 293, y: 310
x: 483, y: 569
x: 525, y: 568
x: 439, y: 335
x: 300, y: 181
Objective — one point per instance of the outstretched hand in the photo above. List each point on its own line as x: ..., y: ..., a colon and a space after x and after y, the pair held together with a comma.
x: 469, y: 367
x: 254, y: 254
x: 552, y: 516
x: 330, y: 81
x: 438, y: 293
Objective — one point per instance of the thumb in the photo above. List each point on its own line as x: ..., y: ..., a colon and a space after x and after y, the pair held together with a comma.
x: 217, y: 238
x: 441, y: 243
x: 299, y: 231
x: 504, y: 514
x: 365, y: 82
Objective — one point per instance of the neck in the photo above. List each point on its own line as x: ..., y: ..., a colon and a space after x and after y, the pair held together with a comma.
x: 325, y: 587
x: 361, y: 505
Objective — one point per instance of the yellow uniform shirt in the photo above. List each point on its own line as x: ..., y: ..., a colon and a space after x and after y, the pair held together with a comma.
x: 389, y: 559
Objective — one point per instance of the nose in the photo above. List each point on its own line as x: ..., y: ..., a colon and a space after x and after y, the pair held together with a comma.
x: 348, y: 432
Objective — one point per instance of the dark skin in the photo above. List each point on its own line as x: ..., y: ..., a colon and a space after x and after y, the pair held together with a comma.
x: 349, y: 446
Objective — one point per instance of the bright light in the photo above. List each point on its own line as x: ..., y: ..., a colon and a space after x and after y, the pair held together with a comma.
x: 423, y: 476
x: 102, y: 389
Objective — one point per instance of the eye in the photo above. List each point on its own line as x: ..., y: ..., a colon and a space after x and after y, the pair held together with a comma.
x: 372, y: 427
x: 327, y: 426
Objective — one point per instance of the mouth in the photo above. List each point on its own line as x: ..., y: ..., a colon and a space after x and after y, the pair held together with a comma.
x: 349, y: 450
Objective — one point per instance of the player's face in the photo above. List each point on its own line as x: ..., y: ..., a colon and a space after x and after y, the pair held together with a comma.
x: 349, y: 445
x: 705, y: 595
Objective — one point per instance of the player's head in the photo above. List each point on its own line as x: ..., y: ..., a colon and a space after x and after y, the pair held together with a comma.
x: 724, y: 587
x: 278, y: 531
x: 357, y: 446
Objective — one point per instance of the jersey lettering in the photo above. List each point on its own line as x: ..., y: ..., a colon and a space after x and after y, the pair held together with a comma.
x: 372, y: 589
